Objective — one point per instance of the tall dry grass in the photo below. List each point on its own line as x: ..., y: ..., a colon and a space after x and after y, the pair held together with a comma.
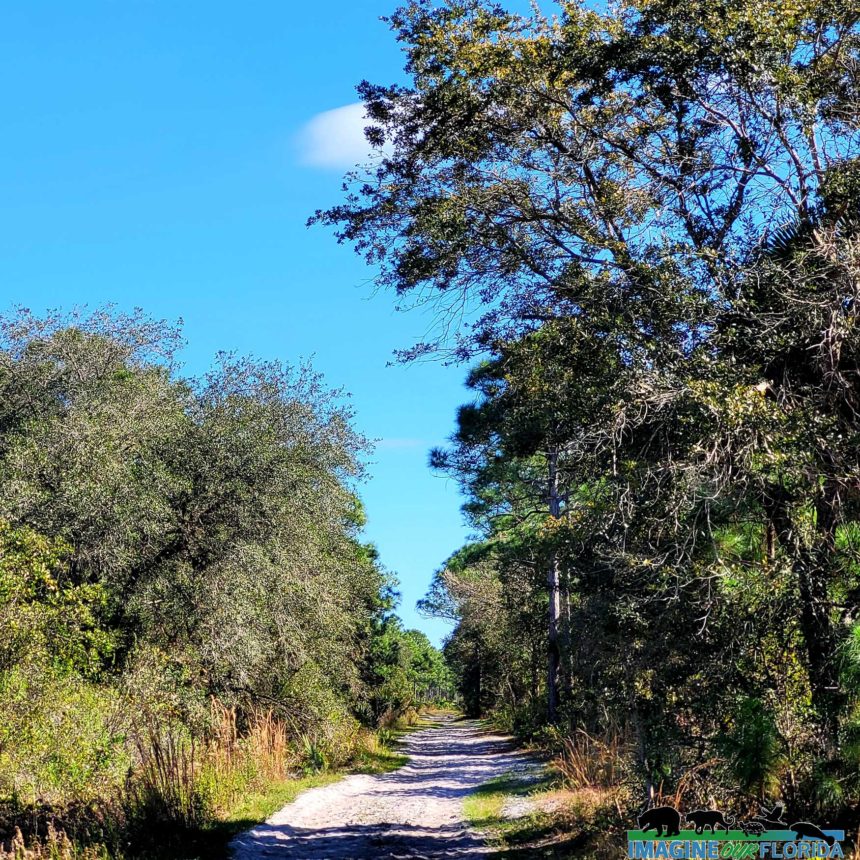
x: 186, y: 781
x: 165, y: 786
x: 56, y: 846
x: 262, y: 753
x: 595, y: 768
x: 593, y: 762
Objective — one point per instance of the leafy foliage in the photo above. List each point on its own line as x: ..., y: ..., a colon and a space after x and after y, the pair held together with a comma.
x: 640, y: 220
x: 167, y: 543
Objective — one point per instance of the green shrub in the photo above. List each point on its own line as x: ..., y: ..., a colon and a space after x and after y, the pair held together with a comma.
x: 313, y: 757
x: 754, y: 749
x: 60, y: 737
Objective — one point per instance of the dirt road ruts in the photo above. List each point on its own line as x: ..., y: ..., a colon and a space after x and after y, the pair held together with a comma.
x: 414, y: 813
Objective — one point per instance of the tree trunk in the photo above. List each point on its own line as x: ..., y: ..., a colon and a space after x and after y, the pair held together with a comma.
x: 770, y: 543
x: 555, y: 603
x: 568, y: 668
x: 820, y: 640
x: 812, y: 565
x: 641, y: 754
x: 479, y: 692
x: 553, y: 649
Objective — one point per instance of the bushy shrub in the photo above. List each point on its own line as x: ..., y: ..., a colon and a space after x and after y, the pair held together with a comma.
x: 61, y: 738
x: 754, y: 749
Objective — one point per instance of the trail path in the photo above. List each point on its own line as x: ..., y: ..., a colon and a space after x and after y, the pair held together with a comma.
x: 414, y: 813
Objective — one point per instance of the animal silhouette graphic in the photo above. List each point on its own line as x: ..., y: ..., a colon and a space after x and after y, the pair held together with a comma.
x: 808, y: 830
x: 752, y: 828
x: 710, y: 818
x: 771, y: 819
x: 661, y: 818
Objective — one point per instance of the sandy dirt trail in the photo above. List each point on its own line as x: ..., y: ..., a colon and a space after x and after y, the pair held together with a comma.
x: 415, y: 812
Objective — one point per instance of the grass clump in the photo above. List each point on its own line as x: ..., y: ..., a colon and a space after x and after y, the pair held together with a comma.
x: 489, y: 809
x: 525, y: 817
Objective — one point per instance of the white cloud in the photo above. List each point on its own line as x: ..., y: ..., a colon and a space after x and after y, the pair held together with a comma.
x: 335, y: 138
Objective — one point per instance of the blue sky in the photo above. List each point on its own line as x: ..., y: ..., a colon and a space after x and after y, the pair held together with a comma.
x: 166, y: 155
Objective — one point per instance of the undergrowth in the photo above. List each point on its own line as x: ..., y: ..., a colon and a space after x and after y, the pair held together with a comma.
x: 186, y: 797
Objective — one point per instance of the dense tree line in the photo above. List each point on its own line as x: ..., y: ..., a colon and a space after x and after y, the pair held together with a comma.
x: 641, y: 222
x: 173, y: 548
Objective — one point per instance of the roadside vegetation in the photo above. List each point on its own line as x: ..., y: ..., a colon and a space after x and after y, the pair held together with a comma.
x: 191, y: 629
x: 510, y: 812
x: 638, y: 224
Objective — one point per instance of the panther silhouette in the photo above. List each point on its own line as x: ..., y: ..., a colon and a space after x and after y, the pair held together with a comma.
x: 711, y: 818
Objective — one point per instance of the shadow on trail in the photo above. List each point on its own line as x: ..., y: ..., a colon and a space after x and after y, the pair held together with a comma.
x: 395, y: 842
x: 363, y: 842
x: 436, y: 747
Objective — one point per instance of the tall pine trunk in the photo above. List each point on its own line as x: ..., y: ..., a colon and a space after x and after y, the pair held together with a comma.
x: 555, y: 597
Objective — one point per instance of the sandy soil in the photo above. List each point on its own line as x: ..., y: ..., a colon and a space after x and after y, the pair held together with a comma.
x: 415, y: 812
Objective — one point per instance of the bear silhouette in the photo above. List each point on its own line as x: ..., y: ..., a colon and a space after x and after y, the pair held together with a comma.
x: 711, y: 818
x: 661, y: 818
x: 807, y: 830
